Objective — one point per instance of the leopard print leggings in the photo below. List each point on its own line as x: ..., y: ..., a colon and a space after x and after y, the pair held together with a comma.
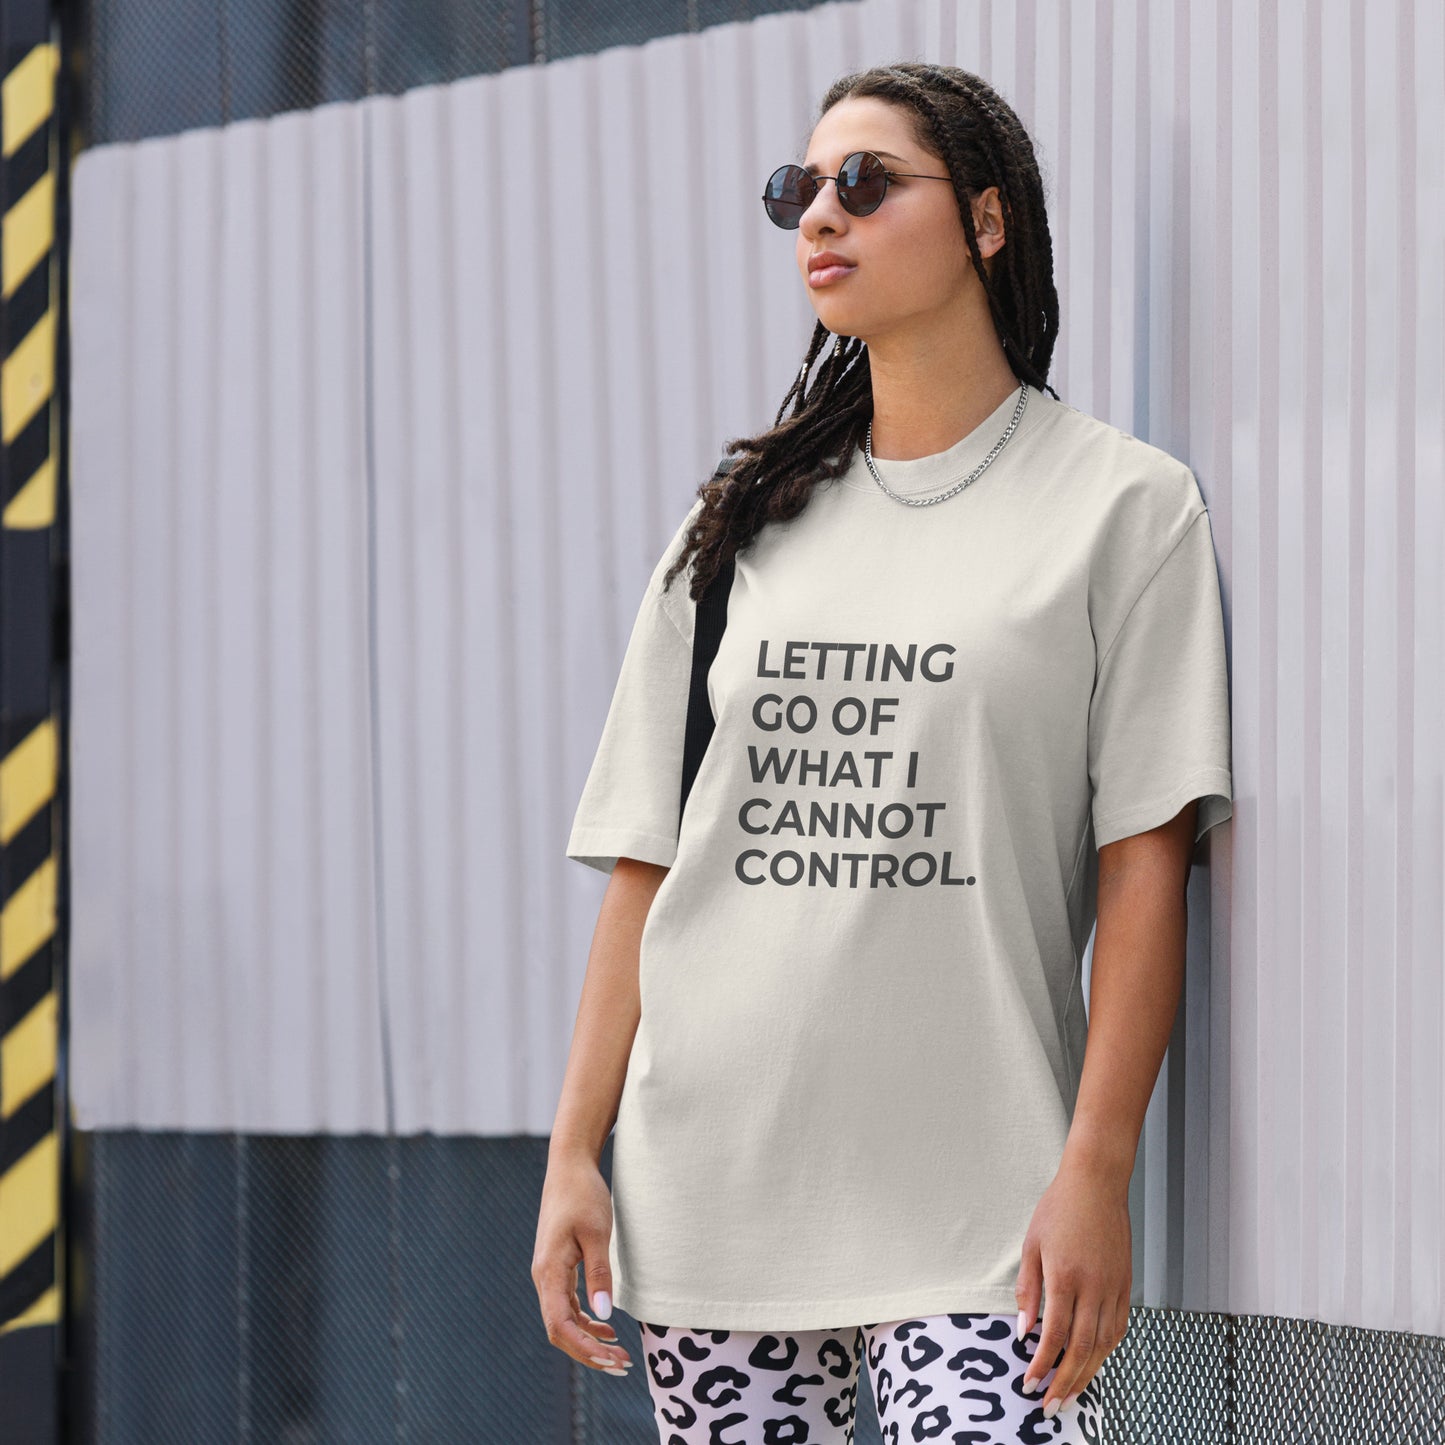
x: 952, y: 1378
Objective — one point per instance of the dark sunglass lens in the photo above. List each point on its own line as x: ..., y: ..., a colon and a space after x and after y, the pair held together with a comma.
x: 789, y: 192
x: 862, y: 182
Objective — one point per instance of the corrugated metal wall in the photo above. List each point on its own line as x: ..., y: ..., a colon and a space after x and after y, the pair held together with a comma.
x: 383, y: 412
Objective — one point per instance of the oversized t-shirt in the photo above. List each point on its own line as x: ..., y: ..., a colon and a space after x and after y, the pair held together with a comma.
x: 862, y: 1014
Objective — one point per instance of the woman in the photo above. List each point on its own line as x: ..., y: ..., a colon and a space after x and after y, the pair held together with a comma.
x: 971, y: 694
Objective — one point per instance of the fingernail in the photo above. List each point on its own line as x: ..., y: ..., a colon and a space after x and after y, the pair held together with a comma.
x: 602, y: 1303
x: 1052, y: 1408
x: 610, y: 1371
x: 1070, y: 1401
x: 1023, y: 1320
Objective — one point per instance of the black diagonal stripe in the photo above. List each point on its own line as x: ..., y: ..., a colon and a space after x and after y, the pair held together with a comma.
x: 27, y: 1126
x: 25, y: 642
x: 26, y: 308
x: 29, y: 1406
x: 30, y: 1278
x: 20, y: 171
x: 26, y: 986
x: 15, y: 727
x: 27, y: 453
x: 27, y: 24
x: 24, y: 853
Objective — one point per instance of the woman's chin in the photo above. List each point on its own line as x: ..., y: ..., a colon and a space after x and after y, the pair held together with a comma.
x: 840, y: 320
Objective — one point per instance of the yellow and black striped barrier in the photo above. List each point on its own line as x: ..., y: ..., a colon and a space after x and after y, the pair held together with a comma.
x: 32, y: 645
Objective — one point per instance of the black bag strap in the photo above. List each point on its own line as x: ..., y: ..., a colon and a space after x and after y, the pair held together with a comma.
x: 710, y: 619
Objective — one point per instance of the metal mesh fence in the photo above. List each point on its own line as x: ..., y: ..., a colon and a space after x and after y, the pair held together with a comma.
x: 299, y: 1290
x: 315, y: 1289
x: 158, y: 67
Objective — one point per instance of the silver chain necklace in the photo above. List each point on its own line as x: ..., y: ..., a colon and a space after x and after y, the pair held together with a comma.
x: 972, y: 476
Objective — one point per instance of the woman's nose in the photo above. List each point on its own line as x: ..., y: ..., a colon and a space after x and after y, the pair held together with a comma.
x: 824, y: 209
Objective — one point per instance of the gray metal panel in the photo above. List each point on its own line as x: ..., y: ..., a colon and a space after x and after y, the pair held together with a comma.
x: 222, y: 961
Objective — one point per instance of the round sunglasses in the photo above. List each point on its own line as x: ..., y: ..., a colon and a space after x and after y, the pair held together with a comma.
x: 862, y: 184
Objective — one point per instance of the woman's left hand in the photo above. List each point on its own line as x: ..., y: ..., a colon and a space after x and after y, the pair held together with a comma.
x: 1078, y: 1251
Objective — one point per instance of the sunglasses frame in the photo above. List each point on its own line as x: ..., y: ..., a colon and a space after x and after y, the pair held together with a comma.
x: 839, y: 183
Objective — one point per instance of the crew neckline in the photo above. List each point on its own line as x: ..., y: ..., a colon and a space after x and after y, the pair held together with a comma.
x: 937, y: 472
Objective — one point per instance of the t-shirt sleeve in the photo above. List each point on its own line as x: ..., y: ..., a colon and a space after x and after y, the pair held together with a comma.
x: 1159, y: 731
x: 631, y: 800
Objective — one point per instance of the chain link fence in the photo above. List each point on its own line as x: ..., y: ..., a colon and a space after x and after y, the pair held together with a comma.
x: 159, y: 67
x: 318, y: 1290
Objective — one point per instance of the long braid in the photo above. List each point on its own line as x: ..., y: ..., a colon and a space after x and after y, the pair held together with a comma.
x: 1021, y: 192
x: 1031, y: 297
x: 966, y: 122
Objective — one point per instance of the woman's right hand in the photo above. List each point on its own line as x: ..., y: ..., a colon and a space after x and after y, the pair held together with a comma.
x: 574, y: 1226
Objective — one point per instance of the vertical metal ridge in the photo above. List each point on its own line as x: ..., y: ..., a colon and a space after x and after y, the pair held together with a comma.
x: 378, y: 891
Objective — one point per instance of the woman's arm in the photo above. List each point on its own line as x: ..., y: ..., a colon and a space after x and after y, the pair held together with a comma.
x: 607, y: 1014
x: 1079, y: 1247
x: 574, y: 1223
x: 1134, y: 988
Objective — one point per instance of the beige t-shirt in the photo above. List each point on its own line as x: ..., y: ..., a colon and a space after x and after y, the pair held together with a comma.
x: 862, y: 1017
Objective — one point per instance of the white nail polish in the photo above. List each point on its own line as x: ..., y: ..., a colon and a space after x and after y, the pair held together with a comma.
x: 602, y: 1304
x: 1023, y: 1320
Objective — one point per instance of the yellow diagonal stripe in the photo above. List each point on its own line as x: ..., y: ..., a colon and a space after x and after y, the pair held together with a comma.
x: 27, y: 921
x: 27, y: 1055
x: 29, y: 1201
x: 45, y: 1311
x: 28, y: 377
x: 33, y: 506
x: 27, y: 778
x: 28, y: 231
x: 28, y: 96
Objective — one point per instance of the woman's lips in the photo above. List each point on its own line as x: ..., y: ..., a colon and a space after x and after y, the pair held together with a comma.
x: 825, y: 274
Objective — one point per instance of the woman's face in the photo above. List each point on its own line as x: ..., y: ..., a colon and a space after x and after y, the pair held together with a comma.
x: 909, y: 258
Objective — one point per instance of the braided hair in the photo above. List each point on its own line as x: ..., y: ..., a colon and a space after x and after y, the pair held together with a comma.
x: 961, y: 118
